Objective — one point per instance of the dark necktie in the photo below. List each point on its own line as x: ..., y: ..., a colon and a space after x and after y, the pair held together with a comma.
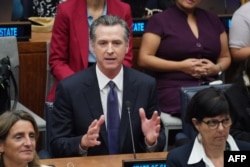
x: 113, y: 120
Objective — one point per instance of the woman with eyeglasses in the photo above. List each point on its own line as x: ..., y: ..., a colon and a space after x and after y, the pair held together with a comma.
x: 209, y: 114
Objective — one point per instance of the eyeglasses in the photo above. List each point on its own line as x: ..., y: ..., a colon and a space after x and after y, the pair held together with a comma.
x: 213, y: 124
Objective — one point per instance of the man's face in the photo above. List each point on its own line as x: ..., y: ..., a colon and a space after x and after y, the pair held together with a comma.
x: 110, y: 48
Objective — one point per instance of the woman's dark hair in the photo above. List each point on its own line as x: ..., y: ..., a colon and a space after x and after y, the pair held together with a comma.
x: 208, y: 102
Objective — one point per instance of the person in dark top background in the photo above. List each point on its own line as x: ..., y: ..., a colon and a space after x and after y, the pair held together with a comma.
x: 183, y: 46
x: 22, y: 10
x: 238, y: 96
x: 139, y: 7
x: 156, y: 6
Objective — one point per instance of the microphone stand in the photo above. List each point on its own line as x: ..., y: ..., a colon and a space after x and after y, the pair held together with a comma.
x: 225, y: 6
x: 131, y: 130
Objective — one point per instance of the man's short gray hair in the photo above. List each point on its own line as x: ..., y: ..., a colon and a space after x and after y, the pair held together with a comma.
x: 109, y: 20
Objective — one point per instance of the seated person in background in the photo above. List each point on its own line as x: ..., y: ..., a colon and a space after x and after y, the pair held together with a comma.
x: 70, y: 49
x: 137, y: 7
x: 238, y: 96
x: 17, y: 10
x: 210, y: 114
x: 18, y: 137
x: 22, y: 10
x: 239, y: 33
x: 183, y: 46
x: 156, y: 6
x: 45, y: 8
x: 81, y: 115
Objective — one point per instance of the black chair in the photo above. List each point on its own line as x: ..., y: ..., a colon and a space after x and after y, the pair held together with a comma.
x: 46, y: 152
x: 186, y: 93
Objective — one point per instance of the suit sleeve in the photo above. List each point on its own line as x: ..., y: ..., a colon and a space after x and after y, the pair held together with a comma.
x: 63, y: 141
x: 153, y: 105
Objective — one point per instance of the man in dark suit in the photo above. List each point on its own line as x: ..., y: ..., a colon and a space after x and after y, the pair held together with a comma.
x: 81, y: 109
x: 69, y: 45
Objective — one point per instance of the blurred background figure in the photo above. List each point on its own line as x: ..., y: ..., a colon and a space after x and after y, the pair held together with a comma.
x: 18, y: 137
x: 239, y: 99
x: 210, y: 115
x: 239, y: 33
x: 137, y: 7
x: 145, y: 8
x: 17, y: 10
x: 45, y: 8
x: 22, y: 10
x: 244, y: 1
x: 156, y: 6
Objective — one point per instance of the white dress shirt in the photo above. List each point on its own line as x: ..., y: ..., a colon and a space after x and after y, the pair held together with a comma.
x: 103, y: 81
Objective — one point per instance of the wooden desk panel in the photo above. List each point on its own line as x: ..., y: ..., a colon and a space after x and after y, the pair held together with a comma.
x: 136, y: 47
x: 32, y: 75
x: 101, y: 161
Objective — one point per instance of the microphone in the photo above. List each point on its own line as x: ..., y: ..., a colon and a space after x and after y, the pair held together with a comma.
x: 128, y: 104
x: 140, y: 162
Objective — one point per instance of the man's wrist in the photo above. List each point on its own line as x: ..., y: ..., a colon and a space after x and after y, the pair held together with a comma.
x: 151, y: 148
x: 83, y: 144
x: 149, y: 144
x: 82, y: 151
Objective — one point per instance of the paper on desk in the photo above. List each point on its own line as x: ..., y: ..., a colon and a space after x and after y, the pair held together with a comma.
x: 44, y: 24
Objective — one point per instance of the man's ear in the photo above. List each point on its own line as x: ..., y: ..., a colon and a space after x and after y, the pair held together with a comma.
x: 92, y: 46
x: 127, y: 48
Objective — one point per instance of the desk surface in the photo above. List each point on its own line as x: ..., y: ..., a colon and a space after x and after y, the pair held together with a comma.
x: 100, y: 161
x: 40, y: 36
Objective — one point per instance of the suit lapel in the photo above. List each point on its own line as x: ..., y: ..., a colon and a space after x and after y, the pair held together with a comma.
x: 94, y: 100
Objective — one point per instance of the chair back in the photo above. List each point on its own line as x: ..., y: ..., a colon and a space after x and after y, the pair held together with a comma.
x: 48, y: 117
x: 45, y: 153
x: 50, y: 80
x: 186, y: 93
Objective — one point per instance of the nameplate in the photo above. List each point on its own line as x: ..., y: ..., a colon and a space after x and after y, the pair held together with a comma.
x: 236, y: 158
x: 139, y: 25
x: 226, y: 21
x: 144, y: 163
x: 21, y: 30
